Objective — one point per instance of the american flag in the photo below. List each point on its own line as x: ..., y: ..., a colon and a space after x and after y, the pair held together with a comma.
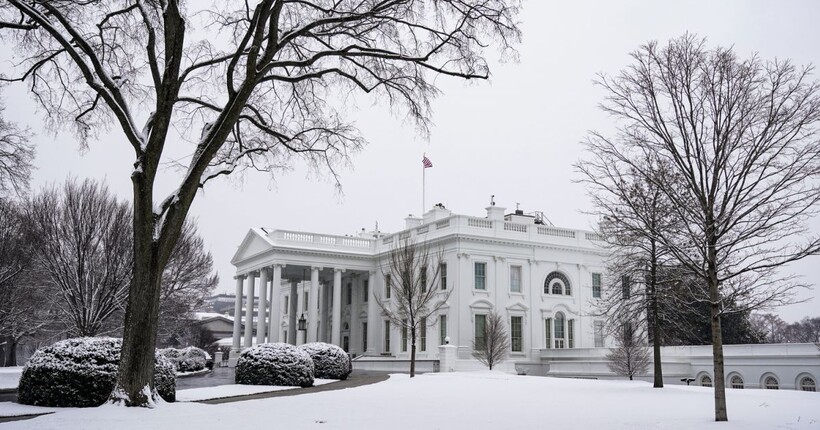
x: 426, y: 162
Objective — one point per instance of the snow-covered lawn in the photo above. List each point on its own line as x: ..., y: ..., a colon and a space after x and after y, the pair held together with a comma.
x: 482, y: 400
x: 218, y: 392
x: 10, y: 376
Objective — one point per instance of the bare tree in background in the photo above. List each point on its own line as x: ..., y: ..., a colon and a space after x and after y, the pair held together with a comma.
x: 742, y: 134
x: 85, y: 253
x: 629, y: 357
x: 187, y: 281
x: 633, y: 213
x: 494, y: 344
x: 416, y: 296
x: 16, y: 156
x: 261, y: 85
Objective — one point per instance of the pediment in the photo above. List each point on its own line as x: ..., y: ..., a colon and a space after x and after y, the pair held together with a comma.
x: 254, y: 243
x: 482, y: 304
x: 518, y: 307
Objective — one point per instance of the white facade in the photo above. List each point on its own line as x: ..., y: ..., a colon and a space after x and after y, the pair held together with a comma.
x: 534, y: 275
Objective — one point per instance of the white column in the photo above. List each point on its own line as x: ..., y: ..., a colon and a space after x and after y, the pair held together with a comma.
x: 274, y: 306
x: 294, y: 309
x: 313, y: 304
x: 261, y: 322
x: 372, y: 316
x: 237, y: 314
x: 336, y: 334
x: 249, y: 312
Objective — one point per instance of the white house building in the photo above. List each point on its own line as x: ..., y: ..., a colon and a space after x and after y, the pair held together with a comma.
x: 540, y: 278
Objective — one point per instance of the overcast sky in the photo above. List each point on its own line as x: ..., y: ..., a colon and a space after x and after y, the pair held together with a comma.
x: 515, y: 136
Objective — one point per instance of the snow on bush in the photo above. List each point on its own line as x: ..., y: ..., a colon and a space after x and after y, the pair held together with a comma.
x: 329, y: 361
x: 81, y: 372
x: 275, y: 364
x: 190, y: 359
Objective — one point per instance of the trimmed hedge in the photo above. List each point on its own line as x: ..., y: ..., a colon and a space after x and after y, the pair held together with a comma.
x: 275, y: 364
x: 329, y: 361
x: 82, y: 372
x: 190, y: 359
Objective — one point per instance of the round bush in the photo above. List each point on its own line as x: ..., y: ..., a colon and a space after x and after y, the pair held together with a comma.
x: 81, y: 372
x: 275, y: 364
x: 190, y: 359
x: 329, y: 361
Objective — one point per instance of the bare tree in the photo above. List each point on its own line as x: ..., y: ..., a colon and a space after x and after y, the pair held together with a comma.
x: 742, y: 134
x: 263, y: 84
x: 629, y: 357
x: 415, y: 294
x: 187, y: 281
x: 494, y: 344
x: 16, y: 156
x: 85, y: 252
x: 633, y: 213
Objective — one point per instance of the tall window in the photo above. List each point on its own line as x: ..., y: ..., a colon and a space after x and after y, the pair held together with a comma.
x: 515, y: 279
x: 364, y: 336
x: 284, y: 336
x: 443, y: 275
x: 557, y: 283
x: 442, y: 329
x: 599, y: 334
x: 515, y: 334
x: 349, y: 293
x: 480, y: 323
x: 548, y: 329
x: 559, y: 330
x: 404, y: 336
x: 481, y: 276
x: 305, y: 304
x: 596, y: 285
x: 286, y: 305
x: 388, y: 285
x: 736, y: 382
x: 423, y: 278
x: 365, y: 291
x: 626, y: 289
x: 387, y: 336
x: 423, y: 335
x: 571, y: 333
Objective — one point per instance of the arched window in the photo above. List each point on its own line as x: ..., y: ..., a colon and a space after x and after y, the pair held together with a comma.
x: 808, y: 384
x: 705, y: 381
x: 557, y: 283
x: 736, y: 382
x: 770, y: 383
x: 559, y: 330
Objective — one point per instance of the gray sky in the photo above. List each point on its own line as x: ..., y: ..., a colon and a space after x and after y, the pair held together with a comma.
x: 515, y: 136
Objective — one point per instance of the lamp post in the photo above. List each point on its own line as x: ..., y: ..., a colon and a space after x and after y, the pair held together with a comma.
x: 303, y: 326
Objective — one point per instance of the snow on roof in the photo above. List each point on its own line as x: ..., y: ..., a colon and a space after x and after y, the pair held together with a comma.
x: 201, y: 316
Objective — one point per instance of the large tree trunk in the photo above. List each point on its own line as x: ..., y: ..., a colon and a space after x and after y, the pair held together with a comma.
x: 656, y: 329
x: 717, y: 337
x: 413, y: 352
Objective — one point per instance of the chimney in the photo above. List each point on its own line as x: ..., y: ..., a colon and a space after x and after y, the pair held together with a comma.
x: 411, y: 222
x: 495, y: 212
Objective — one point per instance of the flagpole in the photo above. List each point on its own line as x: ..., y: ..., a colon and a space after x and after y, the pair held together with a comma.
x: 423, y: 185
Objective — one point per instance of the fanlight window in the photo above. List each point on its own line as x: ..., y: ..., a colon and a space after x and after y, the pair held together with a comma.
x: 736, y: 382
x: 808, y: 384
x: 706, y: 381
x: 557, y: 283
x: 771, y: 383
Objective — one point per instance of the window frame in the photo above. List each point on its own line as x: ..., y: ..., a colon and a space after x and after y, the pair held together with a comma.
x: 520, y: 270
x: 736, y: 382
x: 442, y: 331
x: 443, y: 275
x: 596, y: 286
x: 386, y: 345
x: 803, y: 386
x: 520, y: 337
x: 480, y: 341
x: 388, y: 285
x: 423, y: 335
x: 559, y: 324
x: 483, y: 277
x: 598, y: 333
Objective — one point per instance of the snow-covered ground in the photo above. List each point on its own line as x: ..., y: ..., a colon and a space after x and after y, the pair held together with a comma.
x: 482, y: 400
x: 218, y: 392
x: 10, y: 376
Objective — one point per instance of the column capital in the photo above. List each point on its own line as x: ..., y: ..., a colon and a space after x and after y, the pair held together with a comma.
x: 316, y: 267
x: 239, y: 276
x: 339, y: 270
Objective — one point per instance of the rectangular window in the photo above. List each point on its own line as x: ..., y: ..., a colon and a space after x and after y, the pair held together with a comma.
x: 599, y: 334
x: 515, y: 279
x: 404, y: 336
x: 423, y: 278
x: 365, y: 290
x: 423, y: 335
x: 625, y: 287
x: 443, y: 275
x: 388, y: 285
x: 549, y: 332
x: 480, y: 324
x: 571, y: 333
x: 349, y: 293
x: 596, y: 285
x: 364, y: 336
x: 515, y: 334
x: 286, y: 305
x: 442, y: 328
x: 305, y: 304
x: 387, y: 336
x: 480, y: 276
